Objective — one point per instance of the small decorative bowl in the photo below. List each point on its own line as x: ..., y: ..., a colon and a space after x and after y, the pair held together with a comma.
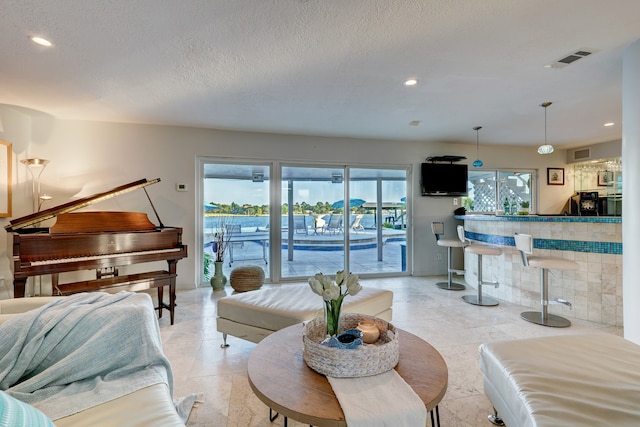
x: 349, y: 339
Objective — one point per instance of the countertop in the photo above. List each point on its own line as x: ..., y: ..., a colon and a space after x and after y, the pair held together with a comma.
x: 541, y: 218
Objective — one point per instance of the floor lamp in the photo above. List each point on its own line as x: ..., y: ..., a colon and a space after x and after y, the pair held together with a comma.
x: 35, y: 167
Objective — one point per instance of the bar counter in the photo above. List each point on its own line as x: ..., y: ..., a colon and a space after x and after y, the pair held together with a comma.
x: 594, y: 242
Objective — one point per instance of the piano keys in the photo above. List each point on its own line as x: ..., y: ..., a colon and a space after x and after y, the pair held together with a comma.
x: 96, y: 240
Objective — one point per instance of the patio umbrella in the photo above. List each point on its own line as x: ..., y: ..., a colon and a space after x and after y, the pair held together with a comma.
x: 353, y: 203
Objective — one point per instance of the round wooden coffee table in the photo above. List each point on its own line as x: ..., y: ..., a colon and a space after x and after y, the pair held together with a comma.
x: 281, y: 379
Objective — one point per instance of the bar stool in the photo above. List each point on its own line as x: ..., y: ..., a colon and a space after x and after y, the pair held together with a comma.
x: 524, y: 243
x: 438, y: 231
x: 480, y: 250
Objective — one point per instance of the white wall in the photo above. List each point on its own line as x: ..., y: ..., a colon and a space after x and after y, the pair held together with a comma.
x: 89, y: 157
x: 631, y: 179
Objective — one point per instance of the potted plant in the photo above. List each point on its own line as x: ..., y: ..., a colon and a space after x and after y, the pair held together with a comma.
x: 207, y: 265
x: 524, y: 208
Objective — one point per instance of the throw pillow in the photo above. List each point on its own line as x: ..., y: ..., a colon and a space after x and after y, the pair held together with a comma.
x: 15, y: 413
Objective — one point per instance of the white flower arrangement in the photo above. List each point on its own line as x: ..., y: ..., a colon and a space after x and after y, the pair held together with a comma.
x: 333, y: 293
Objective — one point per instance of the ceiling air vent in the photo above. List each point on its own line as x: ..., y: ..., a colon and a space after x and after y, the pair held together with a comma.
x: 571, y: 58
x: 582, y: 154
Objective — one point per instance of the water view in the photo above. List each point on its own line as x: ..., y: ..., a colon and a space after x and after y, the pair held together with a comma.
x: 261, y: 222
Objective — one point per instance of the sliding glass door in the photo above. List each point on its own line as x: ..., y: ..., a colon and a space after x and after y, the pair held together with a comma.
x: 313, y: 223
x: 362, y: 225
x: 298, y: 220
x: 378, y: 220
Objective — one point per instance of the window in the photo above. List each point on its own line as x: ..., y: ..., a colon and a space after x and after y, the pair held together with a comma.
x: 488, y: 190
x: 236, y: 200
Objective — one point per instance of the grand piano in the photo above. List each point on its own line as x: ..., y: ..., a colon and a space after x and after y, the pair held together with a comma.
x: 96, y: 240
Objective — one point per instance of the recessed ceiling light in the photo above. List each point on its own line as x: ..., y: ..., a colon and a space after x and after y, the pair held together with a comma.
x: 411, y: 82
x: 414, y: 123
x: 41, y: 41
x: 609, y: 124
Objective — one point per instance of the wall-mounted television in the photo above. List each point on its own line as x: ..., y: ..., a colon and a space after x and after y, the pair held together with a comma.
x: 444, y: 179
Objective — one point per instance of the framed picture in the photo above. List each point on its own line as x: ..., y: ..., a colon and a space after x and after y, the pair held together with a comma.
x: 555, y: 176
x: 5, y: 179
x: 603, y: 178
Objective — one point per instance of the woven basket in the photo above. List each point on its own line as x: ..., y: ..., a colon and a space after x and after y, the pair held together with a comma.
x: 366, y: 360
x: 246, y: 278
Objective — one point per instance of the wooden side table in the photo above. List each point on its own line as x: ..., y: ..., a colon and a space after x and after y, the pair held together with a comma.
x: 281, y: 379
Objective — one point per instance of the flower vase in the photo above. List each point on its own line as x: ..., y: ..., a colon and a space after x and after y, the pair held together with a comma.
x: 218, y: 280
x: 332, y: 311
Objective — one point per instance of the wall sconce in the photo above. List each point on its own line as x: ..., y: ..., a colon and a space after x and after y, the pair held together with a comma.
x: 36, y: 167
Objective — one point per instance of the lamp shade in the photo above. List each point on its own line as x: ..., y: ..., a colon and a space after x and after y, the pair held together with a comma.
x: 545, y: 149
x: 34, y: 162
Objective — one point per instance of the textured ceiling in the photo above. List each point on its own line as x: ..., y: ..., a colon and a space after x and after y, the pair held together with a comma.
x: 326, y: 67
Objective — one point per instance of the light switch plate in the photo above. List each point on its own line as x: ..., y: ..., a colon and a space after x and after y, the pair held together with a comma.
x: 181, y: 187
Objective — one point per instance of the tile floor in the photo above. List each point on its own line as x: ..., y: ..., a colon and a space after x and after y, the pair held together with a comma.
x: 440, y: 317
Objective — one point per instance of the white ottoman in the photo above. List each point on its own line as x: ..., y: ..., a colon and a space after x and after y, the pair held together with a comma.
x: 564, y: 380
x: 255, y: 315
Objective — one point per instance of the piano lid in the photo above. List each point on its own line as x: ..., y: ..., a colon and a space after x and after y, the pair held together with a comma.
x: 37, y: 217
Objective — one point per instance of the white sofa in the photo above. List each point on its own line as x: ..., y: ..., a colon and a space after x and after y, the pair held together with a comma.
x: 149, y: 406
x: 565, y: 380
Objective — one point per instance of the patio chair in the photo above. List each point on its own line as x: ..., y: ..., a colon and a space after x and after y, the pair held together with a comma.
x: 355, y: 225
x: 300, y: 224
x: 335, y: 224
x: 233, y: 230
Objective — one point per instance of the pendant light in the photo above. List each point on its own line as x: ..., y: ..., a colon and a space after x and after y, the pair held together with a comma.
x: 546, y: 148
x: 477, y: 163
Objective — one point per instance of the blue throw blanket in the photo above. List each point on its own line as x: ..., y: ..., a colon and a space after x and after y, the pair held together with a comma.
x: 83, y: 350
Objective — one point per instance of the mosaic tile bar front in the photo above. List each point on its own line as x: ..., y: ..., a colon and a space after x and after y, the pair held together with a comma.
x: 595, y: 243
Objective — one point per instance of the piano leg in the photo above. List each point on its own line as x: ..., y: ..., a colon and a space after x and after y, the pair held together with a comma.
x: 172, y: 264
x: 161, y: 301
x: 19, y: 286
x: 172, y: 299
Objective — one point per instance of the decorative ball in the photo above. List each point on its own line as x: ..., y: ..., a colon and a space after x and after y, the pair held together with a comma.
x: 246, y: 278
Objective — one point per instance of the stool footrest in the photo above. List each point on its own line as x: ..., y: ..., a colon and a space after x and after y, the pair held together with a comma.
x: 495, y: 284
x: 560, y: 301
